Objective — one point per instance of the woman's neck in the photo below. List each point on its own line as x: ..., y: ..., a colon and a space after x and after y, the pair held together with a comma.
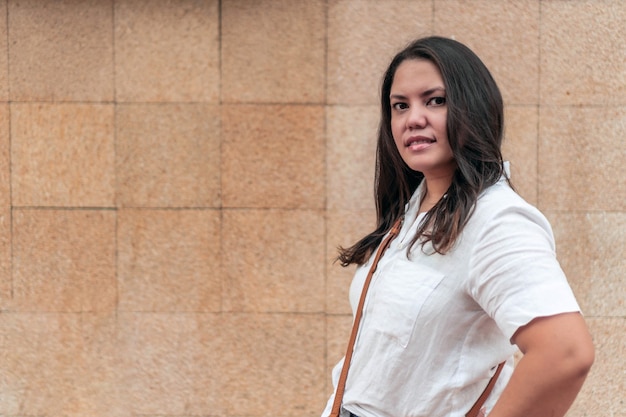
x: 434, y: 190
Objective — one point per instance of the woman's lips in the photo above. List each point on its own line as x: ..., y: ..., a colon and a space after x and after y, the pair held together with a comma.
x: 418, y: 143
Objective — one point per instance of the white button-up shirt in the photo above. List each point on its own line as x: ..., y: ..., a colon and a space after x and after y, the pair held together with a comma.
x: 434, y: 327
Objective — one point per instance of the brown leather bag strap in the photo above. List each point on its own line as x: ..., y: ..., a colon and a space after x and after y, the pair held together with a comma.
x: 473, y: 412
x: 341, y: 385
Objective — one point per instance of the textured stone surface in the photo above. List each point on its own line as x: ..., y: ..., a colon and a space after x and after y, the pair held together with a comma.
x: 351, y: 156
x: 59, y: 364
x: 363, y: 36
x: 591, y: 248
x: 168, y: 155
x: 61, y: 50
x: 273, y: 364
x: 273, y: 260
x: 6, y: 284
x: 582, y: 52
x: 62, y: 155
x: 63, y: 260
x: 338, y: 328
x: 519, y: 147
x: 169, y: 364
x: 5, y: 157
x: 169, y: 260
x: 275, y: 51
x: 273, y: 156
x: 177, y: 62
x: 507, y: 41
x: 344, y: 228
x: 5, y: 207
x: 4, y: 56
x: 581, y: 158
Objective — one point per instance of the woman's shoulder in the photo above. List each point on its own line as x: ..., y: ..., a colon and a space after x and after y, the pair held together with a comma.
x: 501, y: 200
x: 501, y: 194
x: 502, y: 216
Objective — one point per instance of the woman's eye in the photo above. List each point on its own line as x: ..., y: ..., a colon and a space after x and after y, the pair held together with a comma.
x: 437, y: 101
x: 399, y: 106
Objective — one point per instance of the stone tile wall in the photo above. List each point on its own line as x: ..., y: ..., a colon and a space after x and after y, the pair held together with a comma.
x: 176, y: 175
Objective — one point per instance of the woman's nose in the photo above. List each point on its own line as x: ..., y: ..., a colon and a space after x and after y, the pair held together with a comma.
x: 417, y: 118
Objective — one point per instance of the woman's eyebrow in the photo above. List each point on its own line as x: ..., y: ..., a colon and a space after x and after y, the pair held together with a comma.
x: 432, y: 91
x: 397, y: 96
x: 422, y: 94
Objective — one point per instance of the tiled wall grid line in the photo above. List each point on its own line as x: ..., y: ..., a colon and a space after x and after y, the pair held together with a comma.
x: 175, y: 178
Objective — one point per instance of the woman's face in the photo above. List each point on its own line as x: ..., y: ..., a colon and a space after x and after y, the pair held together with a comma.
x: 418, y: 118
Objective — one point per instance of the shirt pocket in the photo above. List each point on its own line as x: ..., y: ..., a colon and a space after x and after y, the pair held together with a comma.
x: 400, y: 292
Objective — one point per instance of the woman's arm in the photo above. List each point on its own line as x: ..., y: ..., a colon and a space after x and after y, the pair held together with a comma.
x: 558, y: 353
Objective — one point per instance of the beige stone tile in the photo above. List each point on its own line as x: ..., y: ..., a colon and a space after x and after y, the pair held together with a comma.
x: 273, y: 364
x: 344, y: 228
x: 507, y: 41
x: 273, y: 260
x: 338, y: 328
x: 64, y: 260
x: 177, y: 62
x: 61, y: 51
x: 273, y: 156
x: 58, y: 364
x: 603, y: 391
x: 4, y: 55
x: 168, y: 260
x: 582, y: 52
x: 520, y: 149
x: 591, y: 250
x: 62, y: 155
x: 273, y: 51
x: 363, y: 36
x: 5, y: 207
x: 102, y: 393
x: 168, y: 155
x: 5, y: 157
x: 6, y: 284
x: 572, y: 248
x: 351, y: 156
x: 170, y: 363
x: 581, y: 158
x: 608, y: 283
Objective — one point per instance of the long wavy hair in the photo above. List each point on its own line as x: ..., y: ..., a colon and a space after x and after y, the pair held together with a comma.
x: 475, y: 123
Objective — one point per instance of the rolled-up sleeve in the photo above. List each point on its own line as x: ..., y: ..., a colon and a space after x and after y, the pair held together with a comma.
x: 514, y: 273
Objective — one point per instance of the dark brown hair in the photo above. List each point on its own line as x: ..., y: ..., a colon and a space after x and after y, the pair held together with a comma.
x: 475, y: 127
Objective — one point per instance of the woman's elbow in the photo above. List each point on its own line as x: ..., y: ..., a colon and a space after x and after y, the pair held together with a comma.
x: 562, y: 343
x: 575, y: 357
x: 581, y: 358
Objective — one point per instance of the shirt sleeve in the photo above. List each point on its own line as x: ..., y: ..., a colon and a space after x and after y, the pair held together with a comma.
x: 514, y: 274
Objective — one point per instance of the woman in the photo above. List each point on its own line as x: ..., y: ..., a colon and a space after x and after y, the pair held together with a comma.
x: 472, y: 275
